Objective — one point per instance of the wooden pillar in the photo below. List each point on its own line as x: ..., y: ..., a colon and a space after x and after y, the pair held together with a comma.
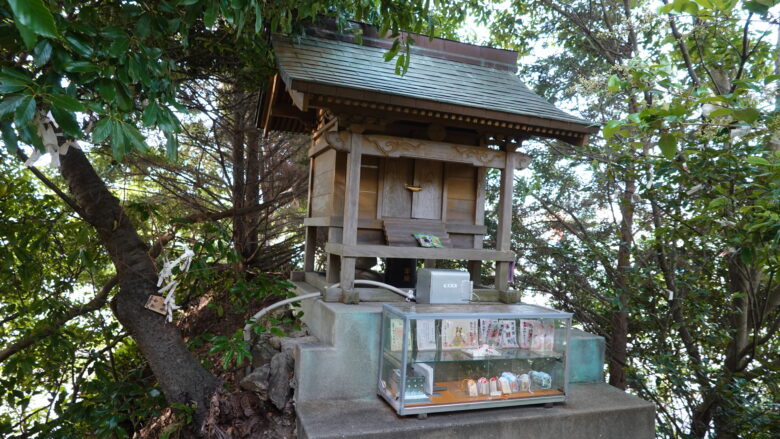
x: 311, y: 232
x: 475, y: 267
x: 308, y: 253
x: 504, y: 234
x: 349, y: 232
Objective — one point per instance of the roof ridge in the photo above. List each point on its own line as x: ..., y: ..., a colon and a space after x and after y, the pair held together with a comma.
x: 499, y: 59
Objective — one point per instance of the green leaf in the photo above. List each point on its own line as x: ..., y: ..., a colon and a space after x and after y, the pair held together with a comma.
x: 721, y: 112
x: 9, y: 85
x: 102, y: 130
x: 106, y: 89
x: 771, y: 78
x: 150, y: 114
x: 81, y: 67
x: 756, y: 7
x: 143, y: 27
x: 135, y: 137
x: 748, y: 115
x: 67, y: 121
x: 66, y: 102
x: 7, y: 72
x: 390, y: 54
x: 758, y: 161
x: 9, y: 136
x: 119, y: 47
x: 611, y: 128
x: 25, y: 111
x: 718, y: 202
x: 118, y: 141
x: 9, y: 104
x: 123, y: 98
x: 34, y: 15
x: 81, y: 47
x: 28, y: 36
x: 613, y: 83
x: 259, y: 17
x: 668, y: 145
x: 42, y: 53
x: 171, y: 147
x: 210, y: 15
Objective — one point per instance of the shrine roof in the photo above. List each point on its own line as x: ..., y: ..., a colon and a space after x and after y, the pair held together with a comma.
x: 468, y: 79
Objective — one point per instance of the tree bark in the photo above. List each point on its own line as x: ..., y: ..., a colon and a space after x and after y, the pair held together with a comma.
x: 182, y: 378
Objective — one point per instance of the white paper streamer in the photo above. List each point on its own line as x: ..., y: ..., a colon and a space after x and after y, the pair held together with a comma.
x: 46, y: 126
x: 166, y: 275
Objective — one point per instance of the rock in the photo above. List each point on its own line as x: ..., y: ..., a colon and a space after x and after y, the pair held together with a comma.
x: 263, y: 351
x: 288, y: 344
x: 279, y: 390
x: 258, y: 381
x: 275, y: 342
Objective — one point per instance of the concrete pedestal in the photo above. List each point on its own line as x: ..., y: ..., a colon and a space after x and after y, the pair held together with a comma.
x: 596, y: 411
x: 336, y: 381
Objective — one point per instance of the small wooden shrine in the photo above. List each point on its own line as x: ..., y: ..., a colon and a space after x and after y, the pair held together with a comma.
x: 394, y: 155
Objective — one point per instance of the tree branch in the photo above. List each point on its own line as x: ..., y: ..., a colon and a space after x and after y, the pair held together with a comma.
x: 50, y: 184
x: 96, y: 303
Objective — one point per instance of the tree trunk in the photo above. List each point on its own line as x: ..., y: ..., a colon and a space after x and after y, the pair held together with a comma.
x: 181, y: 377
x: 619, y: 346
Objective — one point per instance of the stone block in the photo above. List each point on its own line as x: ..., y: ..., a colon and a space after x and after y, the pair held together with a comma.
x: 586, y: 357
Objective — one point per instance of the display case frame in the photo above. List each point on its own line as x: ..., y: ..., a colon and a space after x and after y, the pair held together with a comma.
x: 399, y: 363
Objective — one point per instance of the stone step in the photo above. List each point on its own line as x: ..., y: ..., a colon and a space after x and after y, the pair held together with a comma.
x: 591, y: 411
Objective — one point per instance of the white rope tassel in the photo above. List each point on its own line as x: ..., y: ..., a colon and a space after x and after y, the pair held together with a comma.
x: 166, y: 275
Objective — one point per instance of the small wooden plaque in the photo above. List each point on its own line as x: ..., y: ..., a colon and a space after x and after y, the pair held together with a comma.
x: 156, y: 304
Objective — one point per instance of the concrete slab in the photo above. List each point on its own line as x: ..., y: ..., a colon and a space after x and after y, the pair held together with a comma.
x: 591, y: 411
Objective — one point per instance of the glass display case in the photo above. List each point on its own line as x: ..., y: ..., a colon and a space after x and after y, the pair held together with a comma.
x: 438, y: 358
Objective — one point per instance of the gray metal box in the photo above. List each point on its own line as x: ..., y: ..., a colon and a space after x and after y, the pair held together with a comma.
x: 443, y: 286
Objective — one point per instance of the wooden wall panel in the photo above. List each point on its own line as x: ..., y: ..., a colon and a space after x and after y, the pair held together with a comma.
x: 370, y: 236
x: 369, y: 186
x: 428, y: 174
x: 461, y: 193
x: 462, y: 241
x: 339, y: 184
x: 322, y: 185
x: 396, y: 199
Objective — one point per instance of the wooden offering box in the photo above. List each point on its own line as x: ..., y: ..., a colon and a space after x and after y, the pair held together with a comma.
x: 394, y: 155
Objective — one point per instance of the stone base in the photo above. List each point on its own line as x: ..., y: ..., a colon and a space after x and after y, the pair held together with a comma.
x: 591, y: 411
x: 336, y: 379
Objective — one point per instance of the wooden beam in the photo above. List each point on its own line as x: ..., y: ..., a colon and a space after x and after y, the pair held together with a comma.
x: 388, y: 146
x: 393, y: 147
x: 272, y: 90
x: 366, y: 223
x: 351, y: 200
x: 386, y: 251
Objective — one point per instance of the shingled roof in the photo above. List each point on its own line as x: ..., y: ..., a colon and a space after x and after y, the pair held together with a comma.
x: 468, y: 79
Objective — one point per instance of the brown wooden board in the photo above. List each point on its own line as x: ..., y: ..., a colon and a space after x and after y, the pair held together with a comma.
x: 399, y: 232
x: 454, y: 394
x: 426, y: 203
x: 369, y: 185
x: 396, y: 199
x: 387, y: 251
